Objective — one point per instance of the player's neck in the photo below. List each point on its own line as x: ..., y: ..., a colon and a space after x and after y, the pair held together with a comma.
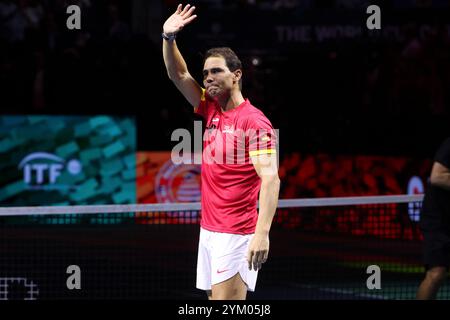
x: 232, y: 101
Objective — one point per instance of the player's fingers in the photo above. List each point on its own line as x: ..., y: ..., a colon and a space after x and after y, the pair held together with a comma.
x: 186, y: 8
x: 265, y: 256
x: 256, y: 262
x: 249, y: 259
x: 189, y: 13
x: 189, y: 19
x: 179, y: 8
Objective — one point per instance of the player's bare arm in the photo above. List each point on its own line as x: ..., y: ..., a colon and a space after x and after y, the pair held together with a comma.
x: 440, y: 176
x: 267, y: 169
x: 176, y: 66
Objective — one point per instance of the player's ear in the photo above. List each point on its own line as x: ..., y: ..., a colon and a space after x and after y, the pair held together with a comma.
x: 237, y: 75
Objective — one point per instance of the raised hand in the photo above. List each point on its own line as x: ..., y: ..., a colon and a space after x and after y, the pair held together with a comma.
x: 179, y: 19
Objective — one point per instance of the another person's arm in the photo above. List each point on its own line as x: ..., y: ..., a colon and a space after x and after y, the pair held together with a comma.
x: 176, y: 66
x: 440, y: 173
x: 440, y: 176
x: 267, y: 168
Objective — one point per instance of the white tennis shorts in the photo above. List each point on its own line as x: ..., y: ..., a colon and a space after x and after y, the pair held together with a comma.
x: 221, y: 256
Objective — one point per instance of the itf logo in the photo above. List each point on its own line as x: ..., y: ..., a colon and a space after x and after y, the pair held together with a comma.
x: 41, y: 170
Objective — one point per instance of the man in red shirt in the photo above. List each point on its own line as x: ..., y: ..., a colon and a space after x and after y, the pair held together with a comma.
x: 238, y: 162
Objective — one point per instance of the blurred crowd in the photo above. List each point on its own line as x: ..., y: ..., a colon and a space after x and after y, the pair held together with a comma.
x: 47, y: 68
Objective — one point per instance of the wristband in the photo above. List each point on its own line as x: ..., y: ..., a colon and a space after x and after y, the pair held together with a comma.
x: 169, y: 37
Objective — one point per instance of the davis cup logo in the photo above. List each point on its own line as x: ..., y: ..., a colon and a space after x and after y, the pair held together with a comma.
x: 178, y: 183
x: 41, y: 170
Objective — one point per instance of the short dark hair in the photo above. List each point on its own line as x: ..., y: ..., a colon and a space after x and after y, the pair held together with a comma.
x: 231, y: 59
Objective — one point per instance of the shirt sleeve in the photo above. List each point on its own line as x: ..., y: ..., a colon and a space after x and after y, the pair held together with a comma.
x: 443, y: 154
x: 262, y: 137
x: 201, y: 108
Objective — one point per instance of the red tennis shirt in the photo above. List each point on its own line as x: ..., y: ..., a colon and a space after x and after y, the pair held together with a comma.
x: 229, y: 182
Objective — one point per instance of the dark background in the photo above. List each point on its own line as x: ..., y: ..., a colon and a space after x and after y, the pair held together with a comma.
x: 382, y: 92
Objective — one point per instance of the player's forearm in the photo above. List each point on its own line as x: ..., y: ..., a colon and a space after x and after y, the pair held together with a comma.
x: 441, y: 180
x: 175, y: 65
x: 268, y: 201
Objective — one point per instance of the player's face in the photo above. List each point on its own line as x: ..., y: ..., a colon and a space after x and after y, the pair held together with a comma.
x: 217, y: 78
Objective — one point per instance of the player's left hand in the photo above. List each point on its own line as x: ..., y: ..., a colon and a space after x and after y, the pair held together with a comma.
x: 258, y: 251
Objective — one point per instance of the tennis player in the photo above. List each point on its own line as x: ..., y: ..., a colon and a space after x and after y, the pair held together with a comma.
x: 238, y: 162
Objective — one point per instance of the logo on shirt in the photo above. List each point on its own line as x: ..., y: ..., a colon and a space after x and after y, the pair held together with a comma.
x: 265, y: 138
x: 228, y: 129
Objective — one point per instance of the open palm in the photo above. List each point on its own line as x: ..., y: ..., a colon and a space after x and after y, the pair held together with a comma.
x: 179, y: 19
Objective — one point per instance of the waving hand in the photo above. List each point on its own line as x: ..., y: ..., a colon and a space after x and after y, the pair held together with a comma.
x: 179, y: 19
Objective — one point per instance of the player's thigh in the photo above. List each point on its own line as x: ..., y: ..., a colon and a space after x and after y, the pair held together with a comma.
x: 233, y: 288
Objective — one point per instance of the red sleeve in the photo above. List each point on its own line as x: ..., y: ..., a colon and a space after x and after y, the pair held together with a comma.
x: 263, y: 139
x: 201, y: 108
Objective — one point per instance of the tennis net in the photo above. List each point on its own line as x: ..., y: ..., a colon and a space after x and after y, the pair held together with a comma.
x: 320, y: 249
